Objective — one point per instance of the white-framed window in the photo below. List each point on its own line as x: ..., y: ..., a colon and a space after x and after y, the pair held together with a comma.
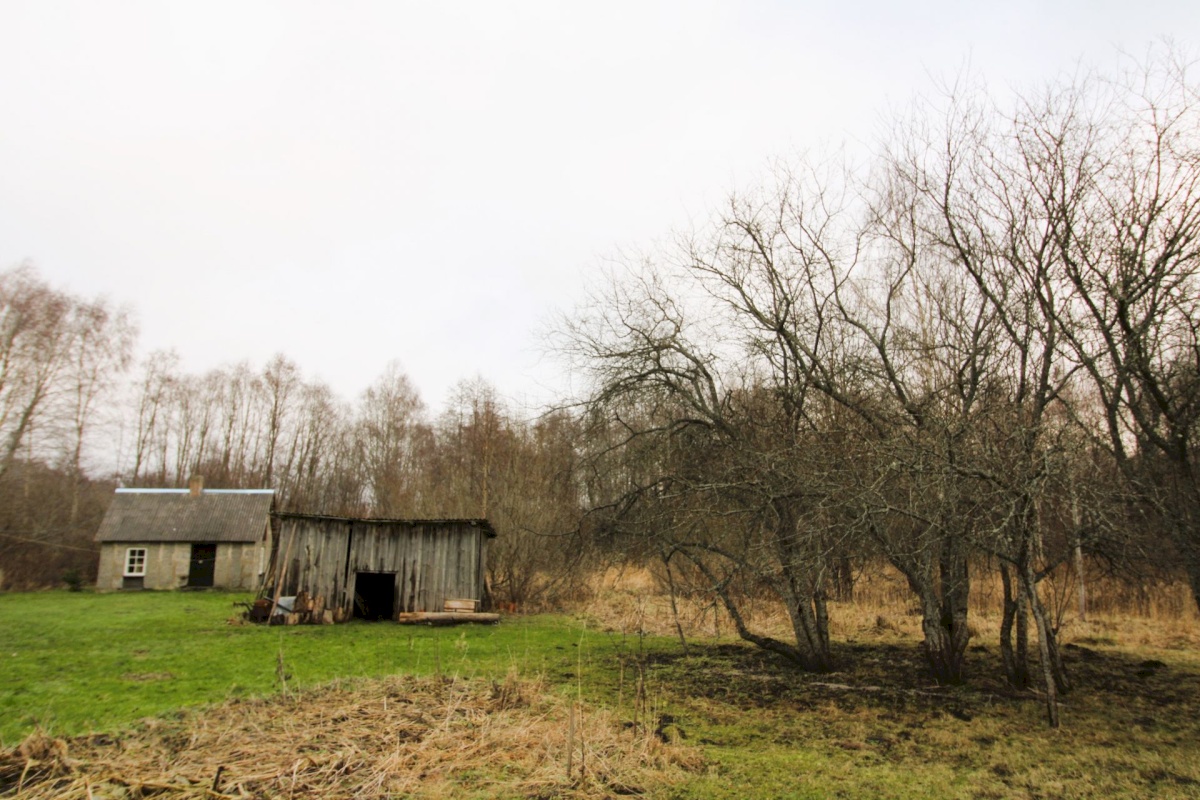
x: 135, y: 562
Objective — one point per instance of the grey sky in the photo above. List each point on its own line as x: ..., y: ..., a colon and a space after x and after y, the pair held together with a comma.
x: 351, y: 183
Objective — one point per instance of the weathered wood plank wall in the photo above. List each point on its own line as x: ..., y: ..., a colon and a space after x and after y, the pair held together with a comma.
x: 433, y: 561
x: 317, y: 559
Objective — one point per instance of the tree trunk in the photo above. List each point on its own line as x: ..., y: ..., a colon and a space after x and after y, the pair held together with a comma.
x: 945, y: 635
x: 1014, y: 655
x: 945, y: 661
x: 944, y: 619
x: 810, y: 622
x: 666, y: 559
x: 843, y: 579
x: 802, y: 582
x: 1016, y: 672
x: 1053, y: 675
x: 1024, y: 677
x: 803, y: 653
x: 811, y: 651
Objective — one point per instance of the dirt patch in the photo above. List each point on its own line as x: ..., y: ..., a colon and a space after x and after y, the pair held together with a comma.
x: 395, y: 737
x: 893, y: 677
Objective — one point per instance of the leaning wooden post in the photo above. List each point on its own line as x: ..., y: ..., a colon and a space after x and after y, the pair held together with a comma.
x: 282, y: 572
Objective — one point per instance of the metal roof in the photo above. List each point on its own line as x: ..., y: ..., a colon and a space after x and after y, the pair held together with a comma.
x: 474, y: 523
x: 175, y: 515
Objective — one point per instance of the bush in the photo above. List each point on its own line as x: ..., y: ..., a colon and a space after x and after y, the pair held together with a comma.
x: 73, y: 578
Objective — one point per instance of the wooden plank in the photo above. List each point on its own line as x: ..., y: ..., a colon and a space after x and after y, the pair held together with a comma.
x: 461, y: 605
x: 446, y: 618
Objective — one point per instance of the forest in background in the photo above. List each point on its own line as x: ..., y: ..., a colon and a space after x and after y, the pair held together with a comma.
x: 974, y: 353
x: 71, y: 396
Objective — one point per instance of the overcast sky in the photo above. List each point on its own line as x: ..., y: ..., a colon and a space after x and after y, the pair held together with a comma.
x: 355, y: 182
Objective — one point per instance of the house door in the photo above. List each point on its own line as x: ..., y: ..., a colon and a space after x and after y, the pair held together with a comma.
x: 204, y: 560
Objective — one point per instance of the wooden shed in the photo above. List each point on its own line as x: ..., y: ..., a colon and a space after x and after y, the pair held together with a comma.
x: 381, y: 568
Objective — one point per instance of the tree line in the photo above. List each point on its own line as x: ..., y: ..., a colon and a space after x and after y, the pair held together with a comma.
x: 978, y: 348
x: 78, y: 417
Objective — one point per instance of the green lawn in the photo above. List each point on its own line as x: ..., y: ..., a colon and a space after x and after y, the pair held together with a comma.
x: 74, y: 663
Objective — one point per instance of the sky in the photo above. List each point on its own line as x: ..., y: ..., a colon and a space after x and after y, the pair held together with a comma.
x: 354, y: 183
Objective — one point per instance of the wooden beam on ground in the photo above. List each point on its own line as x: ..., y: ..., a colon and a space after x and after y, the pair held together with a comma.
x: 445, y: 618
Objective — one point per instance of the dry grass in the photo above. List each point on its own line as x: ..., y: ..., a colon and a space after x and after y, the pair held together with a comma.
x: 634, y: 601
x: 400, y: 736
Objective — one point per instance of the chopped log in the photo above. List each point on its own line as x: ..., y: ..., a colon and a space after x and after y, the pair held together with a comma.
x: 303, y: 603
x: 445, y: 618
x: 326, y: 617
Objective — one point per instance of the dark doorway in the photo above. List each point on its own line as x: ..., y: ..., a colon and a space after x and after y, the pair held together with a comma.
x: 203, y: 566
x: 374, y: 595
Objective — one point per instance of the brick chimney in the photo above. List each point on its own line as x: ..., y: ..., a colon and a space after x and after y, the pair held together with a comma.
x: 196, y: 485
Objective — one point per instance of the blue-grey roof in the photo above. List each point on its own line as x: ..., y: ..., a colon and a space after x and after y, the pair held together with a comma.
x: 175, y: 515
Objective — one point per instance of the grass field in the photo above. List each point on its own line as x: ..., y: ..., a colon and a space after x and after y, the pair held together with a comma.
x: 739, y: 723
x: 79, y: 662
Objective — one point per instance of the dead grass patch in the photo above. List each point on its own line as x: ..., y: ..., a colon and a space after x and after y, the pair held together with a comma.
x: 634, y: 600
x: 395, y: 737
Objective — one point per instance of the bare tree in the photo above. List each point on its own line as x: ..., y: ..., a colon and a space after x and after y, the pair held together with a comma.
x: 977, y: 182
x: 1132, y: 253
x: 730, y: 347
x: 150, y: 427
x: 35, y: 339
x: 522, y: 475
x: 281, y: 379
x: 312, y: 452
x: 100, y: 351
x: 388, y: 433
x: 59, y: 354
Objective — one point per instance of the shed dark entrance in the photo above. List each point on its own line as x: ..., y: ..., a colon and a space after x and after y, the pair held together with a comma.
x: 203, y: 566
x: 374, y: 595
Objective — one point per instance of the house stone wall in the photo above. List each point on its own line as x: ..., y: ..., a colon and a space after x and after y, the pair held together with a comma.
x: 238, y: 565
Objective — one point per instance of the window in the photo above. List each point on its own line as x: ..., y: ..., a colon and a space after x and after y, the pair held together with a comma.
x: 135, y: 561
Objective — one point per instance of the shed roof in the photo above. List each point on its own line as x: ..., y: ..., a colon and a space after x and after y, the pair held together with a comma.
x: 471, y: 522
x: 176, y: 515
